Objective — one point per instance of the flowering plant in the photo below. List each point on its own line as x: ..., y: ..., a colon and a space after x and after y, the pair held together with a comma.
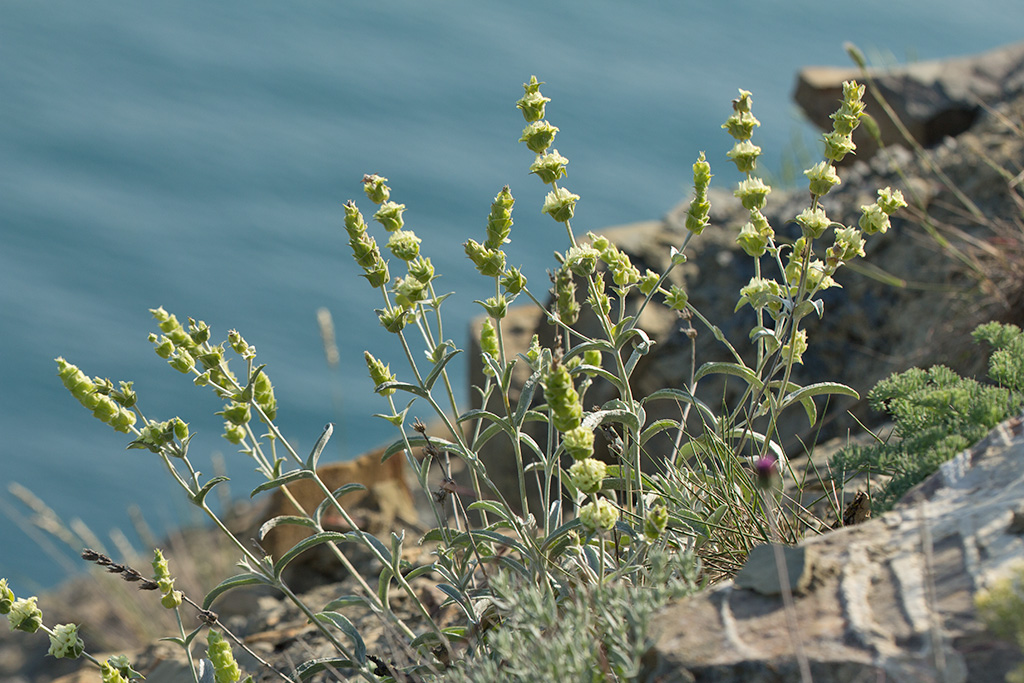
x: 574, y: 519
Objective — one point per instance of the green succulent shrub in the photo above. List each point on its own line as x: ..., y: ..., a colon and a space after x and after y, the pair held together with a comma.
x: 612, y: 541
x: 936, y: 413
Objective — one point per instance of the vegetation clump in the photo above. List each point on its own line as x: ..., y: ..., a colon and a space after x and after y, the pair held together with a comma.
x: 567, y: 587
x: 936, y: 414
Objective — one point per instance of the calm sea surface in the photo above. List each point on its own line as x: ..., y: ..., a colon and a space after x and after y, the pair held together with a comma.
x: 195, y: 155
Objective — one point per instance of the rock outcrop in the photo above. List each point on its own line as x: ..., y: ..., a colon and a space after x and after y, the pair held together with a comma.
x: 890, y: 599
x: 933, y: 99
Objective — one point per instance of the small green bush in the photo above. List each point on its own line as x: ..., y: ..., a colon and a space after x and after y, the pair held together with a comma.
x: 936, y: 414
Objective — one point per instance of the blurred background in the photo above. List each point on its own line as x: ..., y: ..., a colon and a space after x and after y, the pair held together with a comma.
x: 196, y: 156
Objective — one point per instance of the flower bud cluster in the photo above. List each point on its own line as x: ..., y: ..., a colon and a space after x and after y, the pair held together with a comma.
x: 624, y: 273
x: 263, y: 395
x: 489, y: 262
x: 23, y: 614
x: 587, y: 474
x: 539, y: 135
x: 563, y: 400
x: 648, y: 282
x: 566, y: 307
x: 756, y: 235
x: 700, y: 207
x: 655, y: 523
x: 677, y: 298
x: 97, y: 394
x: 160, y: 436
x: 118, y: 669
x: 816, y: 276
x: 499, y: 220
x: 375, y: 189
x: 839, y: 142
x: 533, y: 102
x: 761, y: 293
x: 364, y: 248
x: 582, y: 259
x: 390, y: 216
x: 793, y: 351
x: 379, y: 373
x: 599, y: 515
x: 162, y: 575
x: 598, y: 300
x: 489, y: 344
x: 875, y: 217
x: 6, y: 597
x: 186, y: 349
x: 742, y: 123
x: 65, y: 643
x: 513, y: 280
x: 225, y: 669
x: 579, y: 442
x: 560, y: 204
x: 240, y: 346
x: 752, y: 193
x: 404, y: 245
x: 813, y: 222
x: 848, y: 245
x: 822, y: 177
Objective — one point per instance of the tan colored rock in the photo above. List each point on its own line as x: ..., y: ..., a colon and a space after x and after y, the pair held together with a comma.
x: 933, y: 99
x: 385, y: 505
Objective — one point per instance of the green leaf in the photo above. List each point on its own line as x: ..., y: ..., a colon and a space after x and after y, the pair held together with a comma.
x: 525, y: 399
x: 494, y: 537
x: 312, y: 667
x: 351, y: 601
x: 734, y: 369
x: 656, y: 428
x: 284, y: 479
x: 318, y: 447
x: 384, y: 584
x: 247, y: 579
x: 285, y: 519
x: 439, y: 368
x: 341, y: 622
x: 492, y: 507
x: 306, y: 544
x: 639, y: 351
x: 201, y: 496
x: 683, y: 397
x: 620, y: 415
x: 515, y: 565
x: 404, y: 386
x: 420, y: 571
x: 337, y: 493
x: 396, y: 551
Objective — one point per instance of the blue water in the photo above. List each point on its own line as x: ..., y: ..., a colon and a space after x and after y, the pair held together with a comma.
x: 196, y: 155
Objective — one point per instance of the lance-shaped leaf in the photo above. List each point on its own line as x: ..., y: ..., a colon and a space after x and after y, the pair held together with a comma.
x: 318, y: 447
x: 341, y: 622
x: 306, y: 544
x: 439, y: 368
x: 288, y: 478
x: 285, y: 519
x: 247, y: 579
x: 308, y: 669
x: 201, y: 496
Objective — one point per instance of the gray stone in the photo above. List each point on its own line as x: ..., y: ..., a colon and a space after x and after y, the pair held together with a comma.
x: 760, y: 572
x: 892, y: 598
